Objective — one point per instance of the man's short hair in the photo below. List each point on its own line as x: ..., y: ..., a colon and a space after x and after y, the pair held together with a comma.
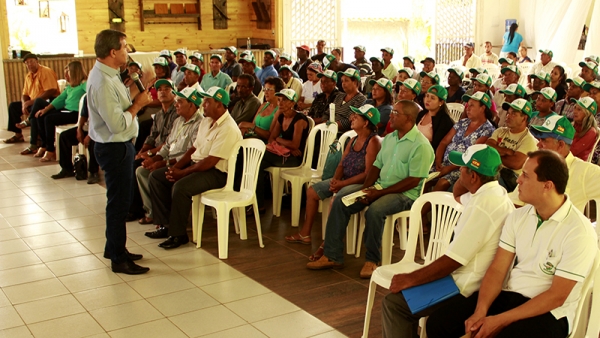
x: 486, y: 179
x: 410, y: 108
x: 551, y: 167
x: 320, y: 41
x: 250, y: 79
x: 488, y: 42
x: 106, y: 41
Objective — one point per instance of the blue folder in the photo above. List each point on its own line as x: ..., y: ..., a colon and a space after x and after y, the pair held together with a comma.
x: 421, y: 297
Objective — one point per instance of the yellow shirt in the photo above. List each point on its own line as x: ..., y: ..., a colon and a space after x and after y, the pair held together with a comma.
x: 39, y: 82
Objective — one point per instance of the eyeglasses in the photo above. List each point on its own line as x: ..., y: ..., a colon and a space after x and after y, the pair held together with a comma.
x: 268, y: 89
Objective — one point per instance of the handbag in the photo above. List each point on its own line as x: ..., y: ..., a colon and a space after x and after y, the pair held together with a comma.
x: 278, y: 149
x: 80, y: 164
x: 334, y: 156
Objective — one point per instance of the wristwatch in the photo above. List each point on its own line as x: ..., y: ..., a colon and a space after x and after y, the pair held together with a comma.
x: 149, y: 153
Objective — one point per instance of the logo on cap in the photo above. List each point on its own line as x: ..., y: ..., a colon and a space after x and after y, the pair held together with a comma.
x: 219, y: 95
x: 560, y: 129
x: 475, y: 163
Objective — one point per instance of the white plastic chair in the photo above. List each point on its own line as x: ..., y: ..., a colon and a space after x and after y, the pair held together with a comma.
x: 65, y: 127
x: 525, y: 67
x: 227, y: 199
x: 445, y: 214
x: 388, y: 230
x: 62, y: 84
x: 493, y: 70
x: 456, y: 110
x: 593, y: 327
x: 582, y: 320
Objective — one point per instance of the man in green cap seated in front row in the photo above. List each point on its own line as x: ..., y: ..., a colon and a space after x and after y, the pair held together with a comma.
x: 203, y: 167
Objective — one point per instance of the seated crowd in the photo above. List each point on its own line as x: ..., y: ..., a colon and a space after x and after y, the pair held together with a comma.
x: 530, y: 145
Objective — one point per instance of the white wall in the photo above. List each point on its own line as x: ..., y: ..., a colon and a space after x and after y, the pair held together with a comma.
x: 490, y: 22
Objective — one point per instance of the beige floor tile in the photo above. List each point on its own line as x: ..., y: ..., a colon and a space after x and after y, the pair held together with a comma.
x: 88, y: 191
x: 90, y: 280
x: 8, y: 234
x: 42, y: 189
x: 125, y: 315
x: 85, y: 234
x: 158, y: 328
x: 74, y: 265
x: 25, y: 274
x: 7, y: 185
x: 46, y: 288
x: 70, y: 213
x: 92, y: 200
x: 14, y: 200
x: 15, y: 245
x: 34, y: 182
x: 13, y: 192
x: 235, y: 289
x: 10, y: 318
x: 50, y: 196
x: 60, y: 204
x: 189, y: 260
x: 99, y: 335
x: 16, y: 332
x: 34, y: 218
x: 246, y: 331
x: 49, y: 240
x: 71, y: 184
x: 107, y: 296
x: 17, y: 210
x: 79, y: 325
x: 291, y: 325
x: 159, y: 252
x: 95, y: 245
x: 3, y: 299
x: 261, y: 307
x: 38, y: 229
x: 82, y: 222
x: 214, y: 319
x: 140, y: 239
x: 176, y: 303
x: 330, y: 334
x: 210, y: 274
x: 97, y: 208
x: 49, y: 308
x: 160, y: 285
x: 156, y: 266
x: 4, y: 224
x: 18, y: 259
x: 63, y: 251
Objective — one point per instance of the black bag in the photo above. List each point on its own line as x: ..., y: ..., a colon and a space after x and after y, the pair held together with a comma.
x: 510, y: 179
x: 80, y: 164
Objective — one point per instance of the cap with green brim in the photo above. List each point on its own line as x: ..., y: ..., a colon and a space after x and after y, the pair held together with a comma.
x: 369, y: 112
x: 438, y: 91
x: 480, y: 158
x: 457, y: 71
x: 588, y: 104
x: 217, y: 56
x: 594, y: 84
x: 409, y: 58
x: 248, y: 58
x: 197, y: 56
x: 328, y: 73
x: 135, y: 63
x: 408, y: 71
x: 383, y: 83
x: 484, y: 79
x: 165, y: 52
x: 160, y: 61
x: 191, y: 67
x: 327, y: 60
x: 218, y: 94
x: 190, y: 94
x: 361, y: 48
x: 591, y: 65
x: 282, y: 68
x: 387, y: 49
x: 506, y: 60
x: 511, y: 68
x: 578, y: 81
x: 180, y: 51
x: 232, y: 49
x: 271, y: 52
x: 375, y: 58
x: 351, y: 73
x: 289, y: 94
x: 431, y: 75
x: 478, y: 70
x: 482, y: 97
x: 285, y: 56
x: 547, y: 52
x: 593, y: 58
x: 412, y: 84
x: 246, y: 52
x: 161, y: 82
x: 542, y: 76
x: 521, y: 105
x: 555, y: 126
x: 548, y: 92
x: 514, y: 89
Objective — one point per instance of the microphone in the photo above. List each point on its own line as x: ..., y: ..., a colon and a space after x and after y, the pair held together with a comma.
x: 136, y: 79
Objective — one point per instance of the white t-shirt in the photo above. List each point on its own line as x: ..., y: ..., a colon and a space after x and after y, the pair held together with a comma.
x: 217, y: 140
x: 476, y: 234
x: 473, y: 62
x: 564, y: 245
x: 485, y: 59
x: 522, y: 142
x: 537, y: 67
x: 310, y: 91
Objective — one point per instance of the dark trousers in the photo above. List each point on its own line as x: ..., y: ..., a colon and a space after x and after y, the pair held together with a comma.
x: 46, y: 126
x: 137, y: 205
x: 68, y: 139
x: 144, y: 130
x: 272, y: 160
x: 15, y: 112
x: 172, y: 202
x: 116, y: 159
x: 449, y: 321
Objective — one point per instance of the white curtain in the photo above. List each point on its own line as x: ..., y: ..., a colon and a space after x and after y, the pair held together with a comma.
x: 592, y: 46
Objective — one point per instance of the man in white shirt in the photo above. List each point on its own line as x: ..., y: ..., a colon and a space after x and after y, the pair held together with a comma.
x: 489, y: 56
x: 470, y: 60
x: 486, y: 206
x: 533, y: 285
x: 545, y: 64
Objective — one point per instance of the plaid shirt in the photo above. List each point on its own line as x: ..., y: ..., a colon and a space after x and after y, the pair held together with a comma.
x: 161, y: 127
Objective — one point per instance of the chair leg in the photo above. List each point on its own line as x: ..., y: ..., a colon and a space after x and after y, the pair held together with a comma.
x: 421, y: 243
x: 195, y: 206
x: 223, y: 231
x: 243, y: 231
x: 403, y: 233
x: 370, y: 301
x: 351, y: 235
x: 236, y: 219
x: 258, y: 225
x: 200, y: 218
x: 296, y: 203
x: 277, y: 195
x: 422, y: 323
x: 361, y: 231
x: 386, y: 241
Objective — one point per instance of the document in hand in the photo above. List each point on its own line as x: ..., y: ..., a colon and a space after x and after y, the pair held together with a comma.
x: 421, y: 297
x: 348, y: 200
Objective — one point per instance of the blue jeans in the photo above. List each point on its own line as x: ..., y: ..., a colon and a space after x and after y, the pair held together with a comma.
x: 116, y: 159
x: 339, y: 216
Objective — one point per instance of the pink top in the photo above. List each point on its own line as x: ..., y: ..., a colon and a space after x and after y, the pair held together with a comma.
x: 583, y: 146
x: 426, y: 129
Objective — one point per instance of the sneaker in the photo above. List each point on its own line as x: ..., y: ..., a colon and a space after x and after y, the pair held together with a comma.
x: 367, y: 270
x: 63, y: 174
x: 93, y: 178
x: 324, y: 263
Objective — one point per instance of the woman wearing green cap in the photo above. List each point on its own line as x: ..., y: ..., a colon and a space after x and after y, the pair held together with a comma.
x: 382, y: 100
x: 586, y: 128
x: 434, y: 122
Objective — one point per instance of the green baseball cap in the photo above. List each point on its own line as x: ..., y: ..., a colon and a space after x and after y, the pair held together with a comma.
x: 197, y: 56
x: 289, y: 94
x: 578, y: 81
x: 413, y: 85
x: 542, y: 76
x: 232, y: 49
x: 511, y: 68
x: 521, y: 105
x: 480, y: 158
x: 478, y: 70
x: 161, y: 82
x: 165, y: 52
x: 282, y: 68
x: 217, y: 56
x: 547, y: 52
x: 408, y: 71
x: 548, y: 93
x: 457, y: 71
x: 190, y: 94
x: 514, y: 89
x: 328, y: 73
x: 593, y: 58
x: 135, y: 63
x: 180, y: 51
x: 588, y: 104
x: 192, y: 67
x: 218, y: 94
x: 271, y: 52
x: 438, y: 91
x: 369, y: 112
x: 361, y: 48
x: 161, y: 61
x: 285, y: 56
x: 484, y: 79
x: 375, y: 58
x: 555, y: 126
x: 431, y: 75
x: 248, y: 58
x: 479, y: 96
x: 383, y: 83
x: 591, y: 65
x: 409, y: 58
x: 328, y: 59
x: 506, y: 60
x: 387, y: 49
x: 594, y: 84
x: 246, y: 52
x: 351, y: 73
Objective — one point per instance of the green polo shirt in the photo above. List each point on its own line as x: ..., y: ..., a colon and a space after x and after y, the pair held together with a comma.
x: 410, y: 156
x: 221, y: 80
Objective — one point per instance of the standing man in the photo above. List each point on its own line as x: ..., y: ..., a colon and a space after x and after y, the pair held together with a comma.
x: 361, y: 62
x: 389, y: 69
x: 231, y: 66
x: 113, y: 124
x: 216, y: 77
x: 300, y: 67
x: 320, y: 51
x: 489, y: 57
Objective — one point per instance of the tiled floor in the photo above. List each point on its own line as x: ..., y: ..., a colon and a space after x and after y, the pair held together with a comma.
x: 55, y: 283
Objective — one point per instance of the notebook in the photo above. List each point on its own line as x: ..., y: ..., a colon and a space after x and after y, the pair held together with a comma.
x: 421, y: 297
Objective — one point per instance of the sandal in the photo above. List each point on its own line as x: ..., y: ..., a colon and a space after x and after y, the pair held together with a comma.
x: 17, y: 138
x: 40, y: 152
x: 48, y: 157
x: 146, y: 220
x: 298, y: 238
x: 318, y: 254
x: 23, y: 124
x: 29, y: 150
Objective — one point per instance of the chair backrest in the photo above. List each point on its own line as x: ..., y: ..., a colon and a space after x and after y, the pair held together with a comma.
x: 591, y: 155
x: 328, y: 132
x: 261, y: 95
x: 345, y: 137
x: 81, y: 101
x: 456, y: 110
x: 311, y: 123
x: 593, y: 327
x: 525, y: 67
x: 581, y: 316
x: 62, y: 84
x: 253, y: 151
x: 445, y: 211
x: 492, y: 69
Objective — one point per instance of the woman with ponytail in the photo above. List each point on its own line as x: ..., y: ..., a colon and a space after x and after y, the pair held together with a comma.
x: 511, y: 41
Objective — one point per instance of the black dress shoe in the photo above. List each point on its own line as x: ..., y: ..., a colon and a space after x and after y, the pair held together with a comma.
x: 131, y: 256
x: 129, y: 268
x: 134, y: 216
x: 161, y: 232
x: 63, y: 174
x: 174, y: 242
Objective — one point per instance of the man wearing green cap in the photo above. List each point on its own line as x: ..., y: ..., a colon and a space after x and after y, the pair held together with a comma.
x: 485, y: 208
x: 216, y: 77
x: 565, y: 106
x: 546, y: 251
x: 191, y: 78
x: 455, y: 89
x: 589, y: 71
x: 231, y: 67
x: 540, y: 80
x: 198, y: 60
x: 377, y: 67
x: 545, y: 64
x: 249, y: 67
x: 180, y: 60
x: 389, y: 68
x: 203, y: 167
x: 508, y: 95
x: 320, y: 106
x: 546, y: 97
x: 361, y: 62
x: 285, y: 73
